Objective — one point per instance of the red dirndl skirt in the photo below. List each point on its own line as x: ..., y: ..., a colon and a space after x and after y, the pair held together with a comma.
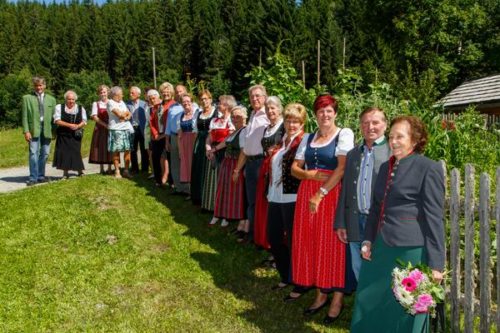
x: 99, y: 153
x: 186, y: 146
x: 230, y: 199
x: 318, y: 256
x: 261, y: 205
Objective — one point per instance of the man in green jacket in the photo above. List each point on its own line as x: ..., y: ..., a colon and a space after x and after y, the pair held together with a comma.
x: 38, y: 109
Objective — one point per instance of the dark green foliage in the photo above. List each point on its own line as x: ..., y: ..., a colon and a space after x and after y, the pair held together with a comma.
x: 85, y: 84
x: 12, y: 88
x: 422, y: 49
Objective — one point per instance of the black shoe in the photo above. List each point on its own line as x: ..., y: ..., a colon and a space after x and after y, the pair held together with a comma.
x: 30, y: 183
x: 330, y: 320
x: 267, y: 262
x: 242, y: 237
x: 311, y: 311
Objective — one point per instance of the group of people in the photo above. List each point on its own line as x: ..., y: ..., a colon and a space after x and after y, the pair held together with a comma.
x: 335, y: 215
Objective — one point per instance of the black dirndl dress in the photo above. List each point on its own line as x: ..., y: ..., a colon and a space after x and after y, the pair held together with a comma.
x: 67, y: 155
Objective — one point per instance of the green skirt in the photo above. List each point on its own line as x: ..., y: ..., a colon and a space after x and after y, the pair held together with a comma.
x: 376, y: 309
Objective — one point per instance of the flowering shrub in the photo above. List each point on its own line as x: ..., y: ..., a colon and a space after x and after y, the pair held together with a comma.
x: 414, y: 289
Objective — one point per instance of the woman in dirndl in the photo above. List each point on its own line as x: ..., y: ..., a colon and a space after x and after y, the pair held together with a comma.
x: 318, y: 256
x: 219, y: 128
x: 230, y: 203
x: 186, y: 135
x: 99, y: 153
x: 121, y: 131
x: 200, y: 161
x: 272, y: 136
x: 69, y: 118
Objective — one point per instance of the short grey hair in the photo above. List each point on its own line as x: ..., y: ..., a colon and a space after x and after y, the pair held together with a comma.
x: 241, y: 110
x: 274, y: 100
x: 115, y: 90
x: 38, y: 80
x: 136, y: 88
x: 257, y: 86
x: 153, y: 92
x: 229, y: 100
x: 70, y: 92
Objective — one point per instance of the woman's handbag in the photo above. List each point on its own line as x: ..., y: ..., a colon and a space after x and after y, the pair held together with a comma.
x: 78, y: 134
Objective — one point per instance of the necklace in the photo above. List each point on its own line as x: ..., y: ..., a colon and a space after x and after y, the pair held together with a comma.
x: 326, y: 135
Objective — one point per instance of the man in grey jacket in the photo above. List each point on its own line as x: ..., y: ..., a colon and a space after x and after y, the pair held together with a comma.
x: 362, y: 166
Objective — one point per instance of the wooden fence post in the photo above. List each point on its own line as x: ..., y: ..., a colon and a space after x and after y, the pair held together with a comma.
x: 484, y: 251
x: 498, y: 245
x: 469, y: 284
x: 455, y: 249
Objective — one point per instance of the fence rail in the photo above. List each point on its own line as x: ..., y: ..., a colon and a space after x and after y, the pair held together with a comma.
x: 464, y: 215
x: 490, y: 120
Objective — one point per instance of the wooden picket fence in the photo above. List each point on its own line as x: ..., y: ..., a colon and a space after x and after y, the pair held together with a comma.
x: 473, y: 280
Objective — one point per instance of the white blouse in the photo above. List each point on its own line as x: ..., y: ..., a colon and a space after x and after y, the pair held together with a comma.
x: 275, y: 190
x: 101, y: 104
x: 345, y: 143
x: 114, y: 120
x: 72, y: 111
x: 220, y: 123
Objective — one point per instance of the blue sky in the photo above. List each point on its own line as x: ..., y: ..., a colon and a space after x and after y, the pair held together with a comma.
x: 58, y: 1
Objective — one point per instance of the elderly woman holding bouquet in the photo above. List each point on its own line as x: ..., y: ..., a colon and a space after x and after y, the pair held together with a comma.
x: 405, y: 224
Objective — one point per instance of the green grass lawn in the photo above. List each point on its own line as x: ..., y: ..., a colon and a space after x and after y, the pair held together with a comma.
x: 102, y: 255
x: 14, y: 149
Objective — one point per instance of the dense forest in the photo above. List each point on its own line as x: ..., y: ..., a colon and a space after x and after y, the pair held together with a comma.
x: 421, y: 48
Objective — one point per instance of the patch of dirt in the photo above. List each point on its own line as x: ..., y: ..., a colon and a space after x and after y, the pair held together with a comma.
x: 160, y: 248
x: 103, y: 203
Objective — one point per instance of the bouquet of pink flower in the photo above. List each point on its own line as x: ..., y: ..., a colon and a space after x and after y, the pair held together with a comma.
x: 415, y: 290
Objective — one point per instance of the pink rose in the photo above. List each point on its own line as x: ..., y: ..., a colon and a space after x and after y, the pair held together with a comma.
x: 420, y: 308
x: 417, y: 276
x: 409, y: 284
x: 425, y: 299
x: 423, y: 303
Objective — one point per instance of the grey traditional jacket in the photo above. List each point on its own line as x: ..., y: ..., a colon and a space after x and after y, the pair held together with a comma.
x: 347, y: 215
x: 413, y: 207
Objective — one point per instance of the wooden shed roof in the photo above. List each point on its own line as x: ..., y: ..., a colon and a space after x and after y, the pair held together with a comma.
x: 485, y: 90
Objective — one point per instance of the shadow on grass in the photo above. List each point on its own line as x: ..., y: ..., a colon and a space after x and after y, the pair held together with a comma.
x: 237, y: 268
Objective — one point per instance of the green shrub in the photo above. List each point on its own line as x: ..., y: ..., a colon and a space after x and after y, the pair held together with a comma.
x: 12, y: 88
x: 466, y: 140
x: 85, y: 85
